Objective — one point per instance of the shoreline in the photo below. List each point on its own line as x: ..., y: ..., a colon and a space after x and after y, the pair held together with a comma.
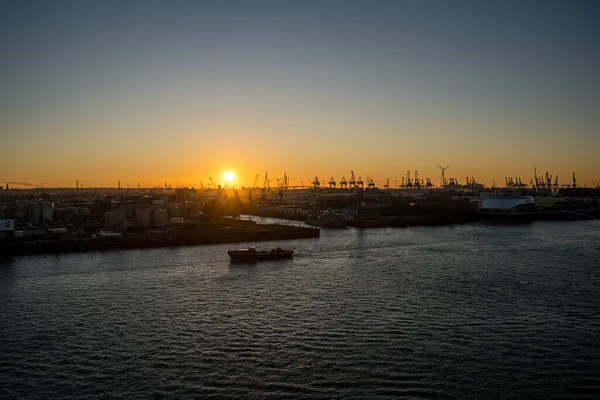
x: 274, y: 232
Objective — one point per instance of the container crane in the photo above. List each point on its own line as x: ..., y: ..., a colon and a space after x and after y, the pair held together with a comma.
x: 360, y: 183
x: 343, y: 183
x: 370, y: 183
x: 387, y: 184
x: 352, y: 181
x: 332, y: 183
x: 316, y: 183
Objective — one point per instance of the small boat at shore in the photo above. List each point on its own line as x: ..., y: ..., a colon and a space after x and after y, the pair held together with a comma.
x: 252, y: 254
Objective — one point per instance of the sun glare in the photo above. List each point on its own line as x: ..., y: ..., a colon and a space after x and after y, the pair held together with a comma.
x: 228, y: 176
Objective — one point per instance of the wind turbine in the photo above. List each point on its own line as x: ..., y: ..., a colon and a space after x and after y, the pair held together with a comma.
x: 443, y: 177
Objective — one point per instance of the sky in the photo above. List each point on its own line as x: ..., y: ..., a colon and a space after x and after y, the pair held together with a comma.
x: 151, y: 92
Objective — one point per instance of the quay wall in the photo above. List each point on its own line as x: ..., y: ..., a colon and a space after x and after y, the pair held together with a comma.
x: 278, y: 232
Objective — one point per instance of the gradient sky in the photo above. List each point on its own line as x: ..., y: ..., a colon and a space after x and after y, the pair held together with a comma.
x: 177, y: 91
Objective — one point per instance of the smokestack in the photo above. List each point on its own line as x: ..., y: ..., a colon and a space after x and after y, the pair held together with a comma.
x: 77, y: 185
x: 119, y: 185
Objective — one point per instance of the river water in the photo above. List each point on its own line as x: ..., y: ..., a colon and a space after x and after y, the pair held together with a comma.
x: 469, y: 311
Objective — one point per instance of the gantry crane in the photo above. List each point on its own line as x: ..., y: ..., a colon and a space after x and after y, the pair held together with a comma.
x: 370, y: 183
x: 343, y: 183
x: 360, y: 183
x: 352, y: 180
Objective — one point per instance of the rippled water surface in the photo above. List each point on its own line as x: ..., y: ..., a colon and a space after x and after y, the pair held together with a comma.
x: 471, y: 311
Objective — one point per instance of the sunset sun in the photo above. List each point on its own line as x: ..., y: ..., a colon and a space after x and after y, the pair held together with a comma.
x: 229, y: 176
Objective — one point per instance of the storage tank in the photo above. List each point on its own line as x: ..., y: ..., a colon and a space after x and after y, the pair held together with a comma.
x: 159, y: 217
x: 175, y: 212
x: 185, y: 210
x: 21, y: 210
x: 35, y: 211
x: 47, y: 211
x: 59, y: 214
x: 142, y: 217
x: 115, y: 220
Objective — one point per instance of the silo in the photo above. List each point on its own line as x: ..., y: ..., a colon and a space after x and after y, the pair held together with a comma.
x: 59, y: 214
x: 142, y: 217
x: 188, y: 210
x: 185, y: 210
x: 175, y: 212
x: 21, y: 210
x: 47, y: 211
x: 35, y: 211
x: 115, y: 220
x: 159, y: 217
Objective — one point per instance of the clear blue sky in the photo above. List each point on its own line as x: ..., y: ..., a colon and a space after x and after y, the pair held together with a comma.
x: 103, y: 90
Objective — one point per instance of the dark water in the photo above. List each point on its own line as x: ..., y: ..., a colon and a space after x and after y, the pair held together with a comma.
x: 473, y: 311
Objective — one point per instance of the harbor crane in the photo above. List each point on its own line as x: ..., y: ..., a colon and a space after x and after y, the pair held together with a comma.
x: 548, y: 182
x: 360, y: 183
x: 316, y: 183
x: 387, y: 184
x: 332, y: 183
x: 574, y: 185
x: 209, y: 178
x: 443, y: 176
x: 417, y: 183
x: 255, y: 181
x: 343, y: 183
x: 285, y: 181
x: 352, y: 180
x: 370, y: 183
x: 538, y: 180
